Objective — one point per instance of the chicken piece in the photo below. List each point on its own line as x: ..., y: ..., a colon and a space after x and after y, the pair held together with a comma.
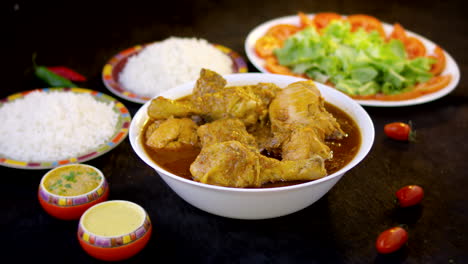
x: 174, y: 133
x: 264, y: 92
x: 301, y: 104
x: 213, y: 101
x: 233, y: 102
x: 225, y: 130
x: 301, y: 123
x: 163, y: 108
x: 265, y: 138
x: 232, y: 164
x: 248, y: 103
x: 208, y: 82
x: 152, y: 127
x: 302, y: 143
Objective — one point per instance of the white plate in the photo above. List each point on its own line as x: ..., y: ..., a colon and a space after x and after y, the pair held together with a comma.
x: 450, y: 68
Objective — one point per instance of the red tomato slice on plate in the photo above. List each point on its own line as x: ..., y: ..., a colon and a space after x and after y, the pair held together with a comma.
x: 282, y: 31
x: 414, y: 47
x: 265, y: 45
x: 439, y: 55
x: 304, y: 20
x: 398, y: 33
x: 321, y: 20
x: 368, y: 23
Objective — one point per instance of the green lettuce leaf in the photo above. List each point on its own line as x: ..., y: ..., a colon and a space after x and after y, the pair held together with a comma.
x: 358, y: 63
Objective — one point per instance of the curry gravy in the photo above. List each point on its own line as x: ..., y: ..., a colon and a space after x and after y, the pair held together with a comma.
x: 178, y: 162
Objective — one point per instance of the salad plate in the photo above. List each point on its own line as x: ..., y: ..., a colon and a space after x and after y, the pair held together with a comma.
x: 113, y: 68
x: 451, y: 66
x: 119, y: 134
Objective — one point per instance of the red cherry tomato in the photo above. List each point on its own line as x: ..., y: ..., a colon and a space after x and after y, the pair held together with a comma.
x: 391, y: 240
x: 410, y: 195
x: 399, y: 131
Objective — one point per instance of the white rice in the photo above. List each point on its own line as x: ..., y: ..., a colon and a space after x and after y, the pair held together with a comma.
x: 54, y: 126
x: 174, y: 61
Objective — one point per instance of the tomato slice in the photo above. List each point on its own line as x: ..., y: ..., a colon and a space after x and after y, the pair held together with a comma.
x: 282, y: 31
x: 414, y: 48
x: 321, y: 20
x: 439, y: 55
x: 265, y: 46
x: 398, y: 33
x: 368, y: 23
x: 434, y: 84
x: 364, y: 97
x: 272, y: 65
x: 304, y: 20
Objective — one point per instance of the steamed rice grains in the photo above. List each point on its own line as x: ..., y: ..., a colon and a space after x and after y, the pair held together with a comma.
x: 174, y: 61
x: 50, y: 126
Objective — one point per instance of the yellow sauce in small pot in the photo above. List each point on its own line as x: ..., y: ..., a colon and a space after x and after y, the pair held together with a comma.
x: 72, y: 180
x: 114, y: 218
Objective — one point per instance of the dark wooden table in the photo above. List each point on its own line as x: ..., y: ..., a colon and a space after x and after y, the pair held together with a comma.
x: 340, y: 228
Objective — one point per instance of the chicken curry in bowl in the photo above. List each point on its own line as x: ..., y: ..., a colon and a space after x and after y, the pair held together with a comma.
x: 249, y: 136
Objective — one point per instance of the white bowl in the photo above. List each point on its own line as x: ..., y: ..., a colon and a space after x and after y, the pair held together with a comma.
x: 256, y: 203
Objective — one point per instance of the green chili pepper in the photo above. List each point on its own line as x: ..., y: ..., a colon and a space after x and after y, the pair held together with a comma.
x: 52, y: 79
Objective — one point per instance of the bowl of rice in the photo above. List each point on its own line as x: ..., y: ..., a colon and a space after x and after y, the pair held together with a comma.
x: 139, y: 73
x: 46, y: 128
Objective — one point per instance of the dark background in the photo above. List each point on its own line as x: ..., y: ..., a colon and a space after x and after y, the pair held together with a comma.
x: 339, y: 228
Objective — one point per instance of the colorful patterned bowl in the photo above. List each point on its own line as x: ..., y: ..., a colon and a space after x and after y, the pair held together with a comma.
x: 114, y: 230
x: 66, y: 192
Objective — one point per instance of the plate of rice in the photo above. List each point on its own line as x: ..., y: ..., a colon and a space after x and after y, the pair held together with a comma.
x: 50, y: 127
x: 139, y: 73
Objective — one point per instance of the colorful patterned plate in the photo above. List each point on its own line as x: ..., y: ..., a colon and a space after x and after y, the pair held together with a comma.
x: 111, y: 71
x: 120, y: 133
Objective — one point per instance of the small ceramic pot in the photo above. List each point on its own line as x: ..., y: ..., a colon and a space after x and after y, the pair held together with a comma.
x: 71, y: 207
x: 114, y: 230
